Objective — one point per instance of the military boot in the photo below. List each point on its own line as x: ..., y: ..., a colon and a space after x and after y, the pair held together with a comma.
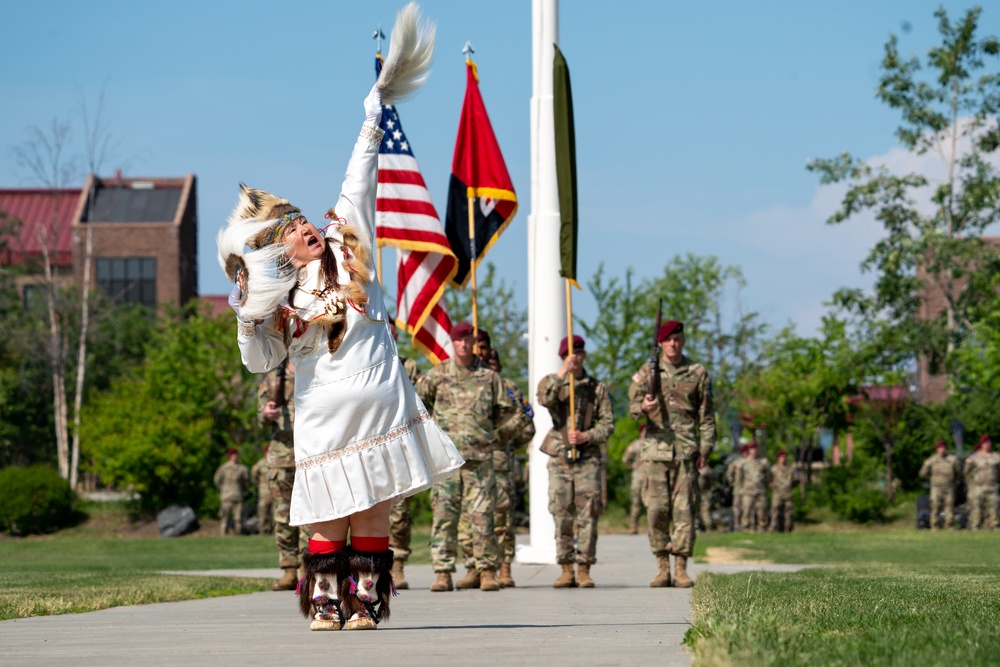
x: 288, y: 580
x: 583, y: 579
x: 398, y: 578
x: 488, y: 581
x: 505, y: 578
x: 442, y: 583
x: 470, y: 580
x: 662, y: 578
x: 633, y: 529
x: 681, y: 578
x: 567, y: 579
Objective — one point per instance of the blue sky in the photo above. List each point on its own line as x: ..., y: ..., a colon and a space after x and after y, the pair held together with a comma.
x: 694, y: 120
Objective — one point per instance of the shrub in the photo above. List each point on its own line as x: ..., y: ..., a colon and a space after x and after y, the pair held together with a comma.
x: 35, y: 500
x: 854, y: 492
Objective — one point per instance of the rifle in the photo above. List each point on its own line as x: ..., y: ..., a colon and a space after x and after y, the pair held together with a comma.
x: 278, y: 398
x: 654, y: 378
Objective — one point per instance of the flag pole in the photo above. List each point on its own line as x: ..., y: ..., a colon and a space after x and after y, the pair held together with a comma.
x: 569, y: 341
x: 467, y: 50
x: 472, y: 269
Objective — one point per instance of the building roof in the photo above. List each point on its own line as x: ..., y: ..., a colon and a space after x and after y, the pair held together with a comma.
x: 44, y: 213
x: 132, y: 200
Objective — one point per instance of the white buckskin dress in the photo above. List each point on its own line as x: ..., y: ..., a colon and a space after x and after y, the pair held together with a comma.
x: 362, y: 435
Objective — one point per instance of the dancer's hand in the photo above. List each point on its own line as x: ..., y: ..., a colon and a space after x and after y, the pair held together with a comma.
x: 236, y: 298
x: 373, y: 106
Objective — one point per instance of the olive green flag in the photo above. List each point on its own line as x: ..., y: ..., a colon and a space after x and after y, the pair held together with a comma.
x: 562, y: 105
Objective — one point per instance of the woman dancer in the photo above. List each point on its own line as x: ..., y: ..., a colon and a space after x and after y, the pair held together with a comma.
x: 362, y: 436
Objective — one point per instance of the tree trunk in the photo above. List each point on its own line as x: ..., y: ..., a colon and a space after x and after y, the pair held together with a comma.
x: 888, y: 467
x: 58, y: 368
x: 81, y: 365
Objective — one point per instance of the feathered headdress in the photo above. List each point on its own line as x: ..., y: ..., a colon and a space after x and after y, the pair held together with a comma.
x: 250, y: 245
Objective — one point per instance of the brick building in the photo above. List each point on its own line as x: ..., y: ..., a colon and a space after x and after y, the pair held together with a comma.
x: 144, y: 233
x: 933, y: 387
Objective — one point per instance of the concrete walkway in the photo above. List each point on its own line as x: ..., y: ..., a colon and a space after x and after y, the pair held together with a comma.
x: 621, y: 621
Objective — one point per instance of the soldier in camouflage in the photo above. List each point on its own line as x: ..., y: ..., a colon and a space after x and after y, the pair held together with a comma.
x: 784, y: 478
x: 522, y: 430
x: 468, y: 401
x: 401, y: 516
x: 276, y: 414
x: 232, y: 479
x: 943, y: 470
x: 706, y: 481
x: 982, y: 472
x: 578, y: 452
x: 260, y: 475
x: 632, y: 459
x: 754, y: 476
x: 734, y: 478
x: 680, y: 432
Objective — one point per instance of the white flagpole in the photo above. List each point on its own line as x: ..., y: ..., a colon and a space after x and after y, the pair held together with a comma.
x: 546, y: 300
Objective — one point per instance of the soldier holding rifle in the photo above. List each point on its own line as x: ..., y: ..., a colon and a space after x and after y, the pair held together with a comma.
x: 673, y: 394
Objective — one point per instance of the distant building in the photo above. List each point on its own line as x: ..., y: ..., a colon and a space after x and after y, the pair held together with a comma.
x: 933, y: 387
x: 144, y: 237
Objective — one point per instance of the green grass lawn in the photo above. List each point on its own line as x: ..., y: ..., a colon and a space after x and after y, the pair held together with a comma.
x: 93, y: 566
x: 896, y: 597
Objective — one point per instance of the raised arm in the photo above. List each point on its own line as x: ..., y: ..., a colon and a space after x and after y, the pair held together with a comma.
x: 356, y: 204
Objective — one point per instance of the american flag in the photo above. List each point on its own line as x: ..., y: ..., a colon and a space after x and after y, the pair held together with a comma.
x: 407, y: 220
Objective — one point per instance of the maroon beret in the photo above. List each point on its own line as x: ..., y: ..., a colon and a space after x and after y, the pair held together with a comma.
x: 230, y: 451
x: 985, y: 437
x: 782, y: 452
x: 461, y: 330
x: 940, y: 444
x: 671, y: 327
x: 564, y: 345
x: 743, y: 449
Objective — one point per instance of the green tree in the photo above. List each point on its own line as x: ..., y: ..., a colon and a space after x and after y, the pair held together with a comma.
x: 801, y: 386
x: 163, y: 431
x: 948, y: 105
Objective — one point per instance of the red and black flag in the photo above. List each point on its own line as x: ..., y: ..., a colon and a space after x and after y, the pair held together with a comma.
x: 478, y: 177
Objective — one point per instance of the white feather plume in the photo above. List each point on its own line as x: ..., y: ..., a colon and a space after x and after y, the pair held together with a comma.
x: 411, y: 49
x: 269, y: 277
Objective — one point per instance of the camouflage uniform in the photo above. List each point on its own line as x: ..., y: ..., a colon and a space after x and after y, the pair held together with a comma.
x: 575, y: 488
x: 232, y: 481
x: 260, y: 473
x: 401, y: 518
x: 783, y: 479
x: 706, y: 480
x: 522, y: 431
x: 733, y: 477
x: 471, y: 405
x: 631, y: 460
x: 290, y: 540
x: 755, y: 476
x: 677, y: 432
x: 981, y: 474
x: 943, y: 472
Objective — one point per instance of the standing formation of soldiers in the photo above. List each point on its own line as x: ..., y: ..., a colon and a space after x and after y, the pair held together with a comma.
x: 981, y: 473
x: 751, y: 476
